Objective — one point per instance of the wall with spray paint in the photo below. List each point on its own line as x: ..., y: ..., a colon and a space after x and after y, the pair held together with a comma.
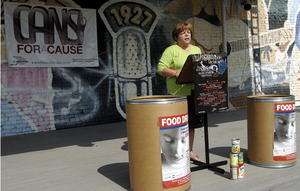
x: 131, y: 39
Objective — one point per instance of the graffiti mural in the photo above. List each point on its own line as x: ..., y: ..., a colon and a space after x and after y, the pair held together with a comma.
x: 260, y: 51
x: 28, y: 90
x: 274, y: 51
x: 131, y: 25
x: 263, y: 59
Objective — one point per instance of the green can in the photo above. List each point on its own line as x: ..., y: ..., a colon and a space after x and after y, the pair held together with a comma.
x: 241, y: 158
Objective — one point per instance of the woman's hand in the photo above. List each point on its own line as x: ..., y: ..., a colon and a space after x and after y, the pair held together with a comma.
x: 167, y: 72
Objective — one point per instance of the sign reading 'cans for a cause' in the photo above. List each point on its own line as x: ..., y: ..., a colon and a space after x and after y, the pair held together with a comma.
x: 175, y: 153
x: 284, y: 132
x: 50, y: 36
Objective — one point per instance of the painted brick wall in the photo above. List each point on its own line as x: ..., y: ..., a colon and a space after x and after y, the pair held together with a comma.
x: 45, y: 99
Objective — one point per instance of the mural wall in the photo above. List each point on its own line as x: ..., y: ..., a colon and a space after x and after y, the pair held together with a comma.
x: 263, y: 44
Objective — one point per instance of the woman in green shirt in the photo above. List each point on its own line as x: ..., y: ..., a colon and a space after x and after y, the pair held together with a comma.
x: 170, y: 65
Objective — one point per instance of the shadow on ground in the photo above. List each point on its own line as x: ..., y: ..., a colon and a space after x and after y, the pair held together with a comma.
x: 83, y: 136
x: 86, y: 136
x: 118, y: 173
x: 225, y: 151
x: 214, y: 119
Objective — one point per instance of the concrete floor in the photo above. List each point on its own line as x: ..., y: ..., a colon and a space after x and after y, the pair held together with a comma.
x: 96, y: 158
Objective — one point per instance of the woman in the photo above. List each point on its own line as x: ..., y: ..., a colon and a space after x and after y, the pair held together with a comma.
x: 170, y: 65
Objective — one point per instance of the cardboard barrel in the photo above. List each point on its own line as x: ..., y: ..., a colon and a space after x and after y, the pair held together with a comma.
x: 147, y: 117
x: 271, y: 127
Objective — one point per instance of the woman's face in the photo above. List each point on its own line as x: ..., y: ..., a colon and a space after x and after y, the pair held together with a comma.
x: 173, y: 146
x: 184, y: 38
x: 285, y: 128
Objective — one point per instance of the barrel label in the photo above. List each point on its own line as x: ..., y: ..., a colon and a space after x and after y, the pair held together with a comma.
x: 284, y: 132
x: 175, y: 153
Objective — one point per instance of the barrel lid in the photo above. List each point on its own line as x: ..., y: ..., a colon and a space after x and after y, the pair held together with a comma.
x: 271, y: 98
x: 159, y: 99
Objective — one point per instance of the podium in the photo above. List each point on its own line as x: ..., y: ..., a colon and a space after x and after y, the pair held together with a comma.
x: 209, y: 75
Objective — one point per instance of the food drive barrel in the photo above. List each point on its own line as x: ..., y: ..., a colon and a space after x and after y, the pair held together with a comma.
x: 271, y: 126
x: 157, y: 130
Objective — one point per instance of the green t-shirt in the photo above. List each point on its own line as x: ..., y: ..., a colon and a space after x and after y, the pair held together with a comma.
x: 174, y: 58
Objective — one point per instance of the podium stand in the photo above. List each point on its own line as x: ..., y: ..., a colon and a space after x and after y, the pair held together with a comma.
x: 190, y: 67
x: 207, y: 164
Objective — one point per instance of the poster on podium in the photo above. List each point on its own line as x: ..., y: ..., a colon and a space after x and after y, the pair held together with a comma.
x: 211, y: 82
x: 209, y: 73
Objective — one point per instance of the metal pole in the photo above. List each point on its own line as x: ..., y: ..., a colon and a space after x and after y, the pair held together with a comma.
x: 224, y: 30
x: 206, y: 139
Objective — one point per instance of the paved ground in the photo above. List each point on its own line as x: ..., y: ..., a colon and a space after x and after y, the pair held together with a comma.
x: 96, y: 158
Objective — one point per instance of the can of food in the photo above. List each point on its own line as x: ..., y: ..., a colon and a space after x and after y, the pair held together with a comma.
x: 241, y: 170
x: 234, y: 172
x: 241, y: 158
x: 234, y: 159
x: 235, y: 145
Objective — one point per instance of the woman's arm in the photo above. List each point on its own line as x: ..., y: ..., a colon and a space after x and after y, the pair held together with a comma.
x: 165, y: 66
x: 167, y: 72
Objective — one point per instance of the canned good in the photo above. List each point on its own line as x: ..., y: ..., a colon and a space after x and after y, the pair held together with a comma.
x: 234, y: 159
x: 234, y: 172
x: 235, y: 145
x: 241, y: 158
x: 241, y: 170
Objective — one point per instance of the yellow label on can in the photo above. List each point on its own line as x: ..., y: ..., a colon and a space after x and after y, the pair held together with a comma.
x: 234, y: 159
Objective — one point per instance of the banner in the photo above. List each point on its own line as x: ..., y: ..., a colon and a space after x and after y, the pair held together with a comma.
x: 284, y: 132
x: 50, y: 36
x: 175, y: 153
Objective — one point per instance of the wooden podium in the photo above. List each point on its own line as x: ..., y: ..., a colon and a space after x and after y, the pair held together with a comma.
x: 201, y: 70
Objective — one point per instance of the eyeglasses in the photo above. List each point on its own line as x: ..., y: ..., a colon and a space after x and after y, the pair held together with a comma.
x: 185, y: 32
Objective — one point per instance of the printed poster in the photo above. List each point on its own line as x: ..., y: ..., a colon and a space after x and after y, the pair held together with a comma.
x: 284, y: 132
x: 50, y: 36
x: 175, y: 153
x: 211, y: 82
